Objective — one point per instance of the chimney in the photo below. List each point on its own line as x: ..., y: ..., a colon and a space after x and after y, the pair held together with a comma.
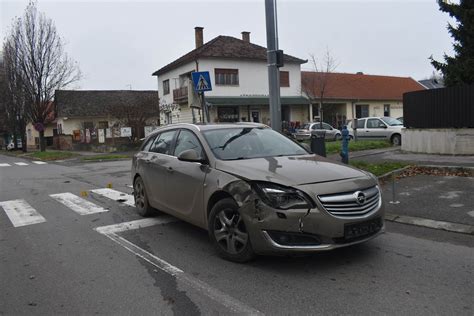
x: 198, y: 35
x: 246, y: 36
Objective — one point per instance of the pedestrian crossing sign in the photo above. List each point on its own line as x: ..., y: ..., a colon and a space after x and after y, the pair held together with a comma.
x: 202, y: 81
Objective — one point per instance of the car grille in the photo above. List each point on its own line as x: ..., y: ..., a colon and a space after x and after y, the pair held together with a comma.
x: 352, y: 204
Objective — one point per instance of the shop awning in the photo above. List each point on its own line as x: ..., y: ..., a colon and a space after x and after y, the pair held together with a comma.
x: 229, y: 101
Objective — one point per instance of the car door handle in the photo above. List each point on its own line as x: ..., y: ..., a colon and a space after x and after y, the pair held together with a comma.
x: 169, y: 169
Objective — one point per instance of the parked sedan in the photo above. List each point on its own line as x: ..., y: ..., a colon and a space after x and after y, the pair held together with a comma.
x: 254, y: 190
x: 378, y: 128
x: 305, y: 131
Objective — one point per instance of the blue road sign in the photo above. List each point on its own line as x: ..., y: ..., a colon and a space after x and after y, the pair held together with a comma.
x: 202, y: 81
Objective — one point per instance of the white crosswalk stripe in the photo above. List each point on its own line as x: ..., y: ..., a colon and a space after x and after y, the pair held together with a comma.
x: 40, y: 162
x: 4, y: 165
x: 77, y: 204
x: 21, y: 213
x: 116, y: 196
x: 21, y: 164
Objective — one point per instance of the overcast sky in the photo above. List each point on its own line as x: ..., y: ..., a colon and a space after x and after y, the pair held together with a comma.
x: 119, y: 44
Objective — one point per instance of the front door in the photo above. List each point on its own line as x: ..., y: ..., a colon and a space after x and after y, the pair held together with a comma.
x: 256, y: 116
x: 186, y: 180
x: 375, y: 129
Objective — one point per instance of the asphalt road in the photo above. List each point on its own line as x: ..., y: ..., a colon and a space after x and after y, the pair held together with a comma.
x: 64, y: 265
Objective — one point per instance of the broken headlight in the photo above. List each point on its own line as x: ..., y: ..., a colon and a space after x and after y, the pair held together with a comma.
x: 281, y: 197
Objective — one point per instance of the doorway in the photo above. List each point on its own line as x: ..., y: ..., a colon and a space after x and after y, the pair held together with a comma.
x: 255, y: 116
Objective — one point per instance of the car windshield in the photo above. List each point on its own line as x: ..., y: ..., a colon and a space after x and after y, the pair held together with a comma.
x: 305, y: 126
x: 250, y: 142
x: 391, y: 121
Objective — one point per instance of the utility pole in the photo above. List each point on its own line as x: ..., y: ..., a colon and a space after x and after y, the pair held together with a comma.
x: 274, y: 57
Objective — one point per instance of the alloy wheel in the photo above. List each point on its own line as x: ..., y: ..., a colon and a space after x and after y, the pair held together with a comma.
x: 230, y: 232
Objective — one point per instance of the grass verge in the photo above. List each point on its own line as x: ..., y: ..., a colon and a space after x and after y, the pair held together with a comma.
x: 378, y: 169
x: 52, y: 155
x: 105, y: 157
x: 335, y: 147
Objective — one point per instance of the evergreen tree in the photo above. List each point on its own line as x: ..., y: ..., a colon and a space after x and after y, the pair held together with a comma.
x: 459, y: 69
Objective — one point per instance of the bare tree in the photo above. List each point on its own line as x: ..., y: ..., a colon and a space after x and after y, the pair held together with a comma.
x: 40, y: 64
x: 315, y: 86
x: 137, y: 114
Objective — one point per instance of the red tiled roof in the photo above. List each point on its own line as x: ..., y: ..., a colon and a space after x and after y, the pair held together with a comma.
x: 225, y: 47
x: 359, y: 86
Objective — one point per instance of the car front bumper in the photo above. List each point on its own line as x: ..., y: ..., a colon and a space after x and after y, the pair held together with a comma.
x: 310, y: 230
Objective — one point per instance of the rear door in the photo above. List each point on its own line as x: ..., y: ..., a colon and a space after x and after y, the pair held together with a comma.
x: 186, y: 180
x: 361, y: 130
x: 157, y: 166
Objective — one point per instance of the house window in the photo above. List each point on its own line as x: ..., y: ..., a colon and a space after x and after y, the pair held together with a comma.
x: 284, y: 78
x: 228, y: 114
x: 88, y: 125
x: 103, y: 124
x: 166, y: 86
x: 386, y: 110
x: 362, y: 110
x: 226, y: 77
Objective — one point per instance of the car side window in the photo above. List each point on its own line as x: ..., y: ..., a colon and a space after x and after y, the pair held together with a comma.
x: 315, y: 126
x: 147, y: 145
x: 360, y: 123
x: 187, y: 140
x: 163, y: 143
x: 374, y: 123
x: 327, y: 126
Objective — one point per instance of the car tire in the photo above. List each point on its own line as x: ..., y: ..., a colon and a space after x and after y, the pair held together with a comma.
x: 228, y: 233
x: 337, y: 137
x: 141, y: 198
x: 396, y: 140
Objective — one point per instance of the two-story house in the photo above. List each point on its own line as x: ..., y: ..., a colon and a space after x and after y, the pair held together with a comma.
x: 239, y: 75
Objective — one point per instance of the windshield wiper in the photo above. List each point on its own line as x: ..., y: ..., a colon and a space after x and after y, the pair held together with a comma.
x: 230, y: 140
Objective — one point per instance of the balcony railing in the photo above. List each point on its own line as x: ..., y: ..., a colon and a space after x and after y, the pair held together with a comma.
x: 180, y: 95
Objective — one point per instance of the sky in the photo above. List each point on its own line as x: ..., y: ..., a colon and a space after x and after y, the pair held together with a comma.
x: 119, y: 44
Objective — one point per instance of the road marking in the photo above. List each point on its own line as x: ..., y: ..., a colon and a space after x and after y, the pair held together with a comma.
x: 116, y: 196
x: 4, y: 165
x: 40, y: 162
x: 77, y: 204
x: 216, y: 295
x: 21, y: 164
x: 424, y: 222
x: 21, y: 213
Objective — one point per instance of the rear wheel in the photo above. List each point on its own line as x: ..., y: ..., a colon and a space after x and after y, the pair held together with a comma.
x: 396, y: 140
x: 141, y: 198
x: 228, y: 233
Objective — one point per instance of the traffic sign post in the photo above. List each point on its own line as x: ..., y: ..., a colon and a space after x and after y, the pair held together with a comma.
x: 202, y: 83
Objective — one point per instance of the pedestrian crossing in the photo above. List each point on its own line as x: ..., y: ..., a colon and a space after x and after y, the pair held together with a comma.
x: 21, y: 213
x: 22, y: 164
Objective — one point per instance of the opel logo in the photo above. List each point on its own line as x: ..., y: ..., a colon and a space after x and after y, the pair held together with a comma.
x: 359, y: 197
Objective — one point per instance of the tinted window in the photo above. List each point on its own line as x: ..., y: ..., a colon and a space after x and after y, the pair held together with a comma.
x: 187, y: 140
x: 327, y: 126
x: 147, y: 145
x: 391, y: 121
x: 249, y: 142
x: 360, y: 123
x: 163, y: 143
x: 375, y: 123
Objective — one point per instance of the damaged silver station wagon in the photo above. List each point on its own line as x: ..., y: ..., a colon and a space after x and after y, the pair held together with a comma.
x: 255, y: 190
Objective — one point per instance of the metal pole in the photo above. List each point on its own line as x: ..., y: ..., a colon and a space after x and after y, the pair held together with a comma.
x: 273, y: 72
x: 205, y: 109
x: 394, y: 197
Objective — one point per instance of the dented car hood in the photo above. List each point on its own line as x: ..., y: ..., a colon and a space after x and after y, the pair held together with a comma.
x: 289, y: 170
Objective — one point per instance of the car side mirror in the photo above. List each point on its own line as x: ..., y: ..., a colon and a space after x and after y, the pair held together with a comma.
x: 383, y: 126
x: 190, y: 155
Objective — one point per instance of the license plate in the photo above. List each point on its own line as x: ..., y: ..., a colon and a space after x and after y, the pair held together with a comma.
x: 362, y: 229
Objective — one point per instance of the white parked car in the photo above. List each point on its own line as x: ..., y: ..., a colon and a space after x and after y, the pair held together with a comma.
x: 378, y: 128
x: 304, y: 132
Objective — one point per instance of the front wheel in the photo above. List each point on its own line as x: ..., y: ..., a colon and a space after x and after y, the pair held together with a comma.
x: 337, y: 137
x: 396, y: 140
x: 228, y: 233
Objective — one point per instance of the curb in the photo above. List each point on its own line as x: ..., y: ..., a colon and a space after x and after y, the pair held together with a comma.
x: 429, y: 223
